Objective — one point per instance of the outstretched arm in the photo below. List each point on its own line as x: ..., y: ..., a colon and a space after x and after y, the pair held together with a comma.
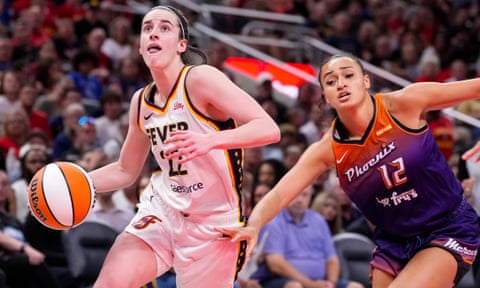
x: 314, y: 161
x: 417, y: 98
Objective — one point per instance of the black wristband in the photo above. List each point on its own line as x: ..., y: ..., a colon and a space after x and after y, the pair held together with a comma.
x: 22, y: 248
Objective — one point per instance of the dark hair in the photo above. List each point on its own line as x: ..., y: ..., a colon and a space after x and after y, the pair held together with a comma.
x: 336, y: 56
x: 84, y: 55
x: 42, y: 73
x: 278, y: 167
x: 191, y: 54
x: 111, y: 95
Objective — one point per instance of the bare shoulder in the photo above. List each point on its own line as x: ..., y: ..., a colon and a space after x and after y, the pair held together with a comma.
x: 204, y: 74
x: 203, y: 79
x: 402, y: 100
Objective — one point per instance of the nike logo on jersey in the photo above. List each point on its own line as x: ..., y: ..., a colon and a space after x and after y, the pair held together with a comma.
x: 341, y: 158
x: 146, y: 117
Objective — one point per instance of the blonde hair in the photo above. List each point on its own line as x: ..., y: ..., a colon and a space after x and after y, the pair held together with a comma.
x: 318, y: 206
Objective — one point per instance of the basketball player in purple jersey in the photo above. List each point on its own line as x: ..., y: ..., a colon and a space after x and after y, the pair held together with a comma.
x: 195, y: 121
x: 388, y: 163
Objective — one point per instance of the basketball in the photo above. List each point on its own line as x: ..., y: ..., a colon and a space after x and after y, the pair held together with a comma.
x: 60, y: 195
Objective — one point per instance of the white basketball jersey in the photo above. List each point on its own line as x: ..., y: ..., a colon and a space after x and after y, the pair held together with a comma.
x: 205, y: 185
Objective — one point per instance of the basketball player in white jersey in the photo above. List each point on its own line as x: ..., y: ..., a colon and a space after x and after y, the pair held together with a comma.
x: 196, y: 122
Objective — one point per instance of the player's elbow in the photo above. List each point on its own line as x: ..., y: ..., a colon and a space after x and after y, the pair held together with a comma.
x: 274, y: 134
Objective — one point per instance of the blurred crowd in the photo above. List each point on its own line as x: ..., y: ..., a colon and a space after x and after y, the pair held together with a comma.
x: 68, y: 69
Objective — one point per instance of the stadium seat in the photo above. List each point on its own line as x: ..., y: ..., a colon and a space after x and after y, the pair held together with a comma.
x: 86, y: 247
x: 468, y: 281
x: 355, y: 253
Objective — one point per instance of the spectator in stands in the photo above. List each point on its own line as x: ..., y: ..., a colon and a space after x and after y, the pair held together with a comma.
x: 317, y: 123
x: 318, y: 19
x: 50, y: 101
x: 94, y: 41
x: 291, y: 155
x: 328, y: 205
x: 16, y: 127
x: 382, y: 52
x: 265, y: 91
x: 271, y: 107
x: 430, y: 70
x: 84, y: 139
x: 90, y: 86
x: 366, y: 35
x: 118, y: 43
x: 253, y: 158
x: 299, y: 249
x: 308, y: 95
x: 269, y: 171
x: 36, y: 15
x: 38, y: 137
x: 258, y: 191
x: 9, y: 89
x: 458, y: 71
x: 290, y: 136
x: 24, y: 49
x: 112, y: 146
x: 438, y: 48
x: 67, y: 94
x: 342, y: 36
x: 108, y: 125
x: 66, y: 42
x: 419, y: 20
x: 64, y: 140
x: 90, y: 21
x: 349, y: 211
x: 47, y: 68
x: 128, y: 78
x: 407, y: 66
x: 6, y: 50
x: 37, y: 119
x: 32, y: 158
x: 297, y: 117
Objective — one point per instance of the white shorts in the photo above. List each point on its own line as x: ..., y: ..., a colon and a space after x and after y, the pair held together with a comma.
x: 188, y: 244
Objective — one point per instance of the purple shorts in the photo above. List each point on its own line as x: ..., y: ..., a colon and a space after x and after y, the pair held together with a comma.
x: 459, y: 235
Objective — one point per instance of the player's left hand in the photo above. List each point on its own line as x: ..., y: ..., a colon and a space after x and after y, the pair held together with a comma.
x: 187, y: 145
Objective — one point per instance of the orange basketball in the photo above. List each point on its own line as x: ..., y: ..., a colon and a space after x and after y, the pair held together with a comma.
x: 60, y: 195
